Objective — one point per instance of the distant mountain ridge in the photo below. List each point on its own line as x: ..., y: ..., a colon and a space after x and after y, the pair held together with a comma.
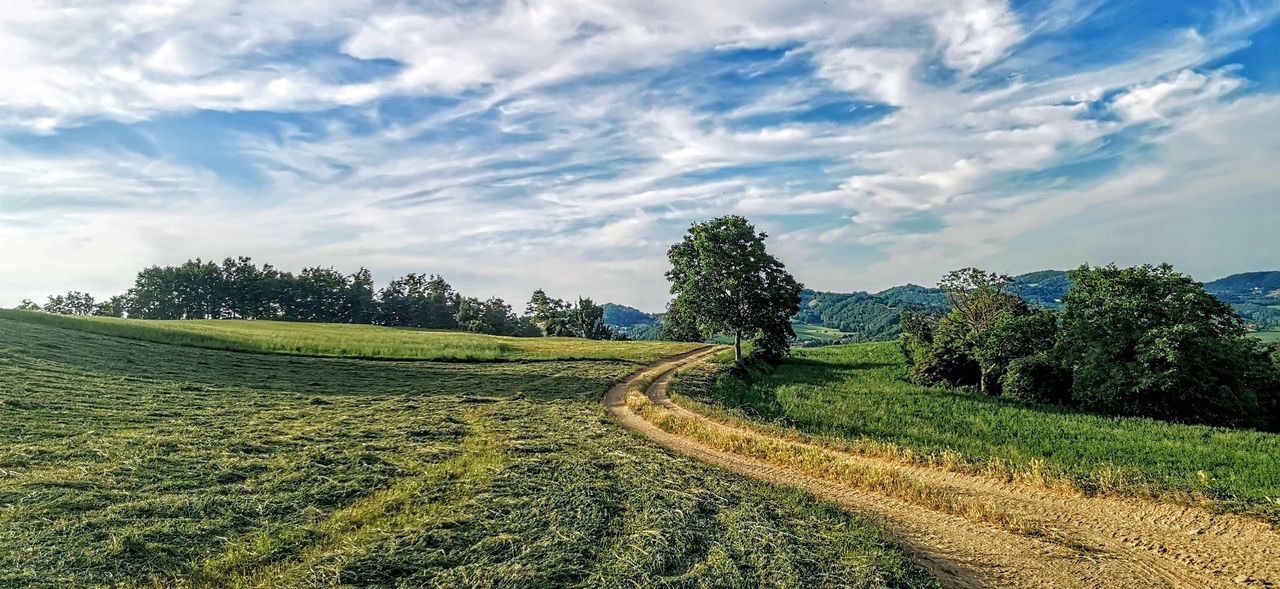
x: 863, y: 316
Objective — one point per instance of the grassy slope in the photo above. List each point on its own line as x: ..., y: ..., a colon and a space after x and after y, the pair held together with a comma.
x: 855, y: 396
x: 128, y: 463
x: 1268, y: 336
x: 355, y: 341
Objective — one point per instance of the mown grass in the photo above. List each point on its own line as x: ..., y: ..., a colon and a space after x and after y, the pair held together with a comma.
x: 854, y: 397
x: 127, y: 463
x: 354, y: 341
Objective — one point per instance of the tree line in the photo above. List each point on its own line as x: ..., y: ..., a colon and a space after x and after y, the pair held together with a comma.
x: 1143, y: 341
x: 238, y: 288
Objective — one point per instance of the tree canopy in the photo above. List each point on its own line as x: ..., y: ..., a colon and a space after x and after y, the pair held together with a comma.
x: 725, y: 281
x: 1145, y: 341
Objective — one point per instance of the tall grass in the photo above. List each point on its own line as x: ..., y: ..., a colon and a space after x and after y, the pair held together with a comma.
x: 126, y: 463
x: 355, y: 341
x: 855, y: 397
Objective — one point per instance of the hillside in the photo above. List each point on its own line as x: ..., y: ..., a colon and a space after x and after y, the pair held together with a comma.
x: 869, y: 317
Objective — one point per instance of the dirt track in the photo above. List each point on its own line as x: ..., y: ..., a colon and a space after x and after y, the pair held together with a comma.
x: 1077, y: 541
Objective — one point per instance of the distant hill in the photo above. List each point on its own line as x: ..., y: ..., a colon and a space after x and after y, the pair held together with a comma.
x: 633, y: 322
x: 862, y: 316
x: 1254, y: 295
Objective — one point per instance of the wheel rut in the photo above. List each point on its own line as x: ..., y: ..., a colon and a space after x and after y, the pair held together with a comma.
x: 1059, y: 540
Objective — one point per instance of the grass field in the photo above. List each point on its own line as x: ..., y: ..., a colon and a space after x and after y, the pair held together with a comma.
x: 854, y: 396
x: 127, y: 463
x: 355, y: 341
x: 817, y: 333
x: 1267, y: 336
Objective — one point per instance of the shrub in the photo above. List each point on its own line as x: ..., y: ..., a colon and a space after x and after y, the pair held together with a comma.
x: 1037, y: 378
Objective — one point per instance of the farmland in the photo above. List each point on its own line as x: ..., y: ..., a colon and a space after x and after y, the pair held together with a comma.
x: 132, y: 463
x: 854, y: 397
x: 355, y: 341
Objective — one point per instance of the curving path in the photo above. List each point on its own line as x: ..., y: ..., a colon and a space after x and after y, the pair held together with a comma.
x: 1070, y: 540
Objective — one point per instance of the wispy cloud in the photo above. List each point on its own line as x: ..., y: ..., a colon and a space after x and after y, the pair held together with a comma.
x: 519, y: 144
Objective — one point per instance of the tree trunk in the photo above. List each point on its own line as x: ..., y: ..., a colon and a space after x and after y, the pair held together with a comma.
x: 737, y: 346
x: 982, y: 381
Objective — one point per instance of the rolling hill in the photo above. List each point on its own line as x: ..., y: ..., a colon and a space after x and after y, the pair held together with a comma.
x: 863, y: 316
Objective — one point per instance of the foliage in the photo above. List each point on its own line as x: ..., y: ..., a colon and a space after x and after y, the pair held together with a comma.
x: 855, y: 396
x: 1037, y: 378
x: 27, y: 305
x: 725, y: 281
x: 72, y: 303
x: 240, y: 289
x: 130, y: 464
x: 934, y: 348
x: 558, y: 318
x: 1150, y: 341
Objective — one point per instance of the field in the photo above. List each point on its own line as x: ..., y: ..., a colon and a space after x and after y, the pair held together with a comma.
x: 1268, y: 336
x: 136, y: 464
x: 816, y: 333
x: 854, y: 397
x: 355, y: 341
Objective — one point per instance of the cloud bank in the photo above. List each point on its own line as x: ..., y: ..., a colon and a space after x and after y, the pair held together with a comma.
x: 563, y: 145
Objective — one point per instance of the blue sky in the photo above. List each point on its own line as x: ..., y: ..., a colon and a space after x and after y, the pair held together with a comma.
x: 565, y: 145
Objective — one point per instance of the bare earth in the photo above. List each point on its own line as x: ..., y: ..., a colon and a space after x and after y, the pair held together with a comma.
x: 1079, y: 541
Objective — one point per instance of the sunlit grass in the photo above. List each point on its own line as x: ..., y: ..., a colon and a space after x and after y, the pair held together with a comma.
x: 854, y: 397
x: 356, y: 341
x: 127, y: 463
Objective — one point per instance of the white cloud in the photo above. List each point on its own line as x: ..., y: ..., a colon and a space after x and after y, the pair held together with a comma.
x: 569, y: 160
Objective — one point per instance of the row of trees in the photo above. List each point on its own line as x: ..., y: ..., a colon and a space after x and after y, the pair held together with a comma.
x: 240, y: 289
x: 1144, y: 341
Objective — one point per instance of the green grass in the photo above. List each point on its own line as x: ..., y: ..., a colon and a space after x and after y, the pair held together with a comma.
x: 127, y: 463
x: 1267, y: 336
x: 854, y: 396
x: 817, y: 333
x: 355, y: 341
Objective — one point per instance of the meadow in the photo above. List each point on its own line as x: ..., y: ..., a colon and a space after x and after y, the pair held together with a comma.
x: 855, y: 397
x: 130, y: 463
x: 1268, y: 336
x: 355, y: 341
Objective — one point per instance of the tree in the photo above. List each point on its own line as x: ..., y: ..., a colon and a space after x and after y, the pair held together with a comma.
x: 723, y: 277
x: 116, y: 306
x: 550, y: 315
x: 979, y: 300
x: 1152, y: 342
x: 360, y: 305
x: 72, y: 303
x: 27, y: 305
x: 679, y: 325
x: 586, y: 320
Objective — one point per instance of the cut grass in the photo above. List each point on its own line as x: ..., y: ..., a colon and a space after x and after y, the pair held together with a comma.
x: 355, y: 341
x: 133, y: 464
x: 854, y: 398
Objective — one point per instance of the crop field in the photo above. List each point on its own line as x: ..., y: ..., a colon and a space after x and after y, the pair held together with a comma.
x: 355, y: 341
x: 855, y: 397
x: 130, y: 463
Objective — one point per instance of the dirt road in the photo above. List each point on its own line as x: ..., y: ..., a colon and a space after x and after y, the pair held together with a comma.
x: 1068, y: 540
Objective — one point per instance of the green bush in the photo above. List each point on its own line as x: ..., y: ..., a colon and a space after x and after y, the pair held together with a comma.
x: 1037, y: 378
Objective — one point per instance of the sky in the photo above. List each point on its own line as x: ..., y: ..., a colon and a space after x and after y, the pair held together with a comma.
x: 564, y: 145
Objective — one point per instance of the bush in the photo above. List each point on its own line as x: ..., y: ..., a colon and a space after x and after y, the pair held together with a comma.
x: 1037, y: 378
x: 935, y: 353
